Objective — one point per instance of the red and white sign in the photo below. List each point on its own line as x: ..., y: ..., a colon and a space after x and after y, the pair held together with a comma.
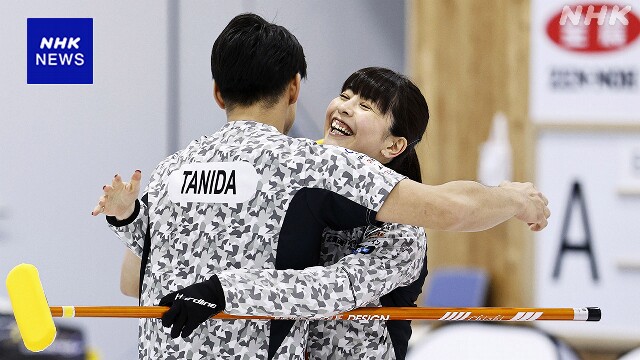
x: 594, y: 27
x: 585, y: 62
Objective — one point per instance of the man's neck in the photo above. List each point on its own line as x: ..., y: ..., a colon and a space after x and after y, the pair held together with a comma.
x: 274, y: 116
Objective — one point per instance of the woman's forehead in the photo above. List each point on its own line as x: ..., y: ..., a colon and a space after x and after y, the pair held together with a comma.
x: 374, y: 102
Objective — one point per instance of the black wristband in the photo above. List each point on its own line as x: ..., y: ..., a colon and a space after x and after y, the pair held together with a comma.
x: 112, y: 220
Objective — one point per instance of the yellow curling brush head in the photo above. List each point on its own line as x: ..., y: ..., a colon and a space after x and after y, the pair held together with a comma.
x: 30, y: 307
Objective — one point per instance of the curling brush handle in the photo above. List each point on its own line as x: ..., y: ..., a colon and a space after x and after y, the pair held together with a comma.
x: 381, y: 313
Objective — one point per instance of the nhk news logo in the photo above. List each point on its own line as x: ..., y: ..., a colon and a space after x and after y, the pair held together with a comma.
x: 59, y: 51
x: 594, y: 28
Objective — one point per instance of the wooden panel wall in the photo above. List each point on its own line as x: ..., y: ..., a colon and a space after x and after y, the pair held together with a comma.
x: 471, y: 59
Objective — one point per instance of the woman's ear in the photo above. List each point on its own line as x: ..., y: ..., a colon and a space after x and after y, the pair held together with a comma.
x: 395, y: 148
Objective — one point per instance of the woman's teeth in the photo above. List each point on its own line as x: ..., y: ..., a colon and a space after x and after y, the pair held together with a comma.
x: 337, y: 125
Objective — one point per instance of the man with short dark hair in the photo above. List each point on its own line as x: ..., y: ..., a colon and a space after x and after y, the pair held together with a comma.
x: 253, y: 61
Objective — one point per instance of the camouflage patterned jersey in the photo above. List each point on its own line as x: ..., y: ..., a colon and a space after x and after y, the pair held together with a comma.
x: 400, y: 250
x: 241, y: 202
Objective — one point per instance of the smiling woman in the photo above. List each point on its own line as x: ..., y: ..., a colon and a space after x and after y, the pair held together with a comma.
x: 356, y: 123
x: 382, y: 114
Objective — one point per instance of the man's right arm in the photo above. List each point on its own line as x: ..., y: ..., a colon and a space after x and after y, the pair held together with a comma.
x: 464, y: 205
x: 453, y: 206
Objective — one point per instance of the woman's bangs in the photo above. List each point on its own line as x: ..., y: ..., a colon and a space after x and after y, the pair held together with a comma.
x: 374, y: 86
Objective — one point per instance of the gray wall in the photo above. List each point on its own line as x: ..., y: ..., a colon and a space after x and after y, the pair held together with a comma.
x: 151, y: 94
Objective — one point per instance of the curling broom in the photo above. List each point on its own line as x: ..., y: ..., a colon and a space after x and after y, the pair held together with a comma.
x: 34, y: 316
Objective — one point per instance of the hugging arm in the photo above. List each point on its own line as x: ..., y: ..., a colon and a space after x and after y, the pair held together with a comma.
x: 464, y: 205
x: 391, y: 256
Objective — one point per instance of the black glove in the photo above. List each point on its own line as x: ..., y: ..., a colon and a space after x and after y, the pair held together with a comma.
x: 192, y: 306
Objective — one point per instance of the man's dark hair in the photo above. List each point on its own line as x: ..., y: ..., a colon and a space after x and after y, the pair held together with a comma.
x: 253, y: 60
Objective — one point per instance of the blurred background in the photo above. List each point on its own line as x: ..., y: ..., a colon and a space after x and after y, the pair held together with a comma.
x: 513, y: 95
